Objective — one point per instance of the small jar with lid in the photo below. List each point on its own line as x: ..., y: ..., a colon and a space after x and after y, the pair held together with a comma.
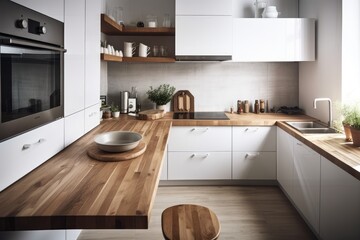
x: 256, y: 107
x: 262, y: 105
x: 246, y: 106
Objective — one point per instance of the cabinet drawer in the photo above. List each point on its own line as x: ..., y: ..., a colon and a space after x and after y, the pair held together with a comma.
x: 203, y: 7
x: 200, y: 139
x: 254, y: 139
x: 23, y: 153
x: 92, y: 117
x: 199, y: 165
x: 254, y: 165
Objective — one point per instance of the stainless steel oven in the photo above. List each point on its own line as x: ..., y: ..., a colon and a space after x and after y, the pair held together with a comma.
x: 31, y: 69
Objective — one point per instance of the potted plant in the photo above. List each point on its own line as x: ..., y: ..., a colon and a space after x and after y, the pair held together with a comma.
x: 105, y: 112
x: 355, y: 127
x: 115, y: 111
x: 348, y: 113
x: 161, y: 95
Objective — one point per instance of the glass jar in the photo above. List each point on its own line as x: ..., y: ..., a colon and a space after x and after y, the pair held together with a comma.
x: 151, y: 21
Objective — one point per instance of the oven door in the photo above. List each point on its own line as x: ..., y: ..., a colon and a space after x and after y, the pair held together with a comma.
x: 31, y: 85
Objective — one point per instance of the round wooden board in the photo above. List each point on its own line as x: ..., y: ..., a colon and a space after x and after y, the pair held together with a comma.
x: 95, y: 153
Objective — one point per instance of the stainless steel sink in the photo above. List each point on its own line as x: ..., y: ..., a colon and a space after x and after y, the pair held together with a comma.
x: 311, y: 127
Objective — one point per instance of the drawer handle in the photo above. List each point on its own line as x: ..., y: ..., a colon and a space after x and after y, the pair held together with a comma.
x: 200, y: 129
x: 251, y: 155
x: 299, y: 144
x: 27, y: 146
x: 251, y: 130
x: 199, y: 155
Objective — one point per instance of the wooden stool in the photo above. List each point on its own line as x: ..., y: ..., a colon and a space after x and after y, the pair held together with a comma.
x: 183, y: 222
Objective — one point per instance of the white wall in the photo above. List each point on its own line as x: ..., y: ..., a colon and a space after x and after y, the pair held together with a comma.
x: 350, y: 51
x: 215, y: 86
x: 322, y: 78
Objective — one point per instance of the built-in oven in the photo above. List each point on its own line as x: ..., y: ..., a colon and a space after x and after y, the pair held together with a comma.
x: 31, y: 69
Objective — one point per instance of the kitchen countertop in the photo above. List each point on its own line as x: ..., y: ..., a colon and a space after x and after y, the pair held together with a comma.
x: 73, y: 191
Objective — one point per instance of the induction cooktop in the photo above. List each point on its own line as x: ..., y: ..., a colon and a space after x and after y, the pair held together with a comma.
x: 201, y: 115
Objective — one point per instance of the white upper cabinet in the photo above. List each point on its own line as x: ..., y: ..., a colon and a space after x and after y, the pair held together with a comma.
x: 51, y: 8
x: 203, y: 28
x: 272, y: 40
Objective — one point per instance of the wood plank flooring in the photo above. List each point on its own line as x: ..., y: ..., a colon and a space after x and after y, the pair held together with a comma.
x: 244, y: 212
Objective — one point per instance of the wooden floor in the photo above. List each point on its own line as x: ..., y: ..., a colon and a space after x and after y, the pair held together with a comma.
x: 244, y: 212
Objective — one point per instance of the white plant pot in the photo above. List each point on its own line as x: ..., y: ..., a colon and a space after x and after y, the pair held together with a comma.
x: 115, y: 114
x: 161, y: 107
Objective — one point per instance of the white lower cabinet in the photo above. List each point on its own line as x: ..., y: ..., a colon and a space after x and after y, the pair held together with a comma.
x: 199, y: 165
x: 306, y: 195
x: 92, y: 117
x: 74, y: 127
x: 339, y: 204
x: 199, y: 153
x: 164, y: 171
x: 254, y: 165
x: 285, y: 161
x: 23, y: 153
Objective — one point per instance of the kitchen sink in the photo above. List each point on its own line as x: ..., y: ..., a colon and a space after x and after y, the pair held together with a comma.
x: 311, y: 127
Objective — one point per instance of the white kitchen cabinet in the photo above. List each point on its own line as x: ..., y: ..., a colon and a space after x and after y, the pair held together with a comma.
x: 339, y: 204
x: 306, y: 194
x: 285, y: 161
x: 25, y: 152
x: 92, y: 117
x: 199, y: 153
x: 199, y: 165
x: 254, y: 139
x: 200, y: 139
x: 254, y: 153
x: 254, y: 165
x: 203, y: 28
x: 92, y: 52
x: 74, y: 127
x: 51, y: 8
x: 164, y: 171
x: 74, y: 62
x: 271, y: 40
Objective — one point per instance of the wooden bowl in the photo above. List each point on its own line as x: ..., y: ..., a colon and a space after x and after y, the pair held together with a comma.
x: 118, y: 141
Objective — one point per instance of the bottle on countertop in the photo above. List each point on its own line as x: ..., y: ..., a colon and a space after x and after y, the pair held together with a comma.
x: 256, y: 107
x: 262, y: 105
x: 246, y: 106
x: 239, y: 107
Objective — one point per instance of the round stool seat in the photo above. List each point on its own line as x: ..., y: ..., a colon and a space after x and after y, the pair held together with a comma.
x: 187, y: 221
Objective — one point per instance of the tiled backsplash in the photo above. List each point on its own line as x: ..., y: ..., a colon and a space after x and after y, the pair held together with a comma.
x: 215, y: 86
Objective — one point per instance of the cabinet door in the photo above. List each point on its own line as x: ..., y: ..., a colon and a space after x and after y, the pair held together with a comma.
x: 340, y: 203
x: 204, y: 7
x: 92, y: 52
x: 200, y: 139
x: 285, y: 161
x: 74, y: 62
x: 51, y: 8
x: 199, y: 165
x: 23, y: 153
x: 164, y: 171
x: 203, y: 35
x: 307, y: 183
x: 74, y: 127
x: 92, y: 117
x: 254, y: 165
x: 254, y: 139
x: 266, y: 40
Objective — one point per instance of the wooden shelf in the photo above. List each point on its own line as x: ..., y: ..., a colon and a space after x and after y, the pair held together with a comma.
x: 110, y: 27
x: 112, y: 58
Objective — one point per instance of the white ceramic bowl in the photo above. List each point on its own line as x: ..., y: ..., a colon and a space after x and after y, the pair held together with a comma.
x: 118, y: 141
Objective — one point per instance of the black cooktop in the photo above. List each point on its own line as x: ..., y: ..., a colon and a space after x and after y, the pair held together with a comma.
x: 201, y: 115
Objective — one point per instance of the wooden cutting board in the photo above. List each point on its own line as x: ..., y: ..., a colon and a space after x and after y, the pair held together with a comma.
x: 95, y: 153
x: 152, y: 114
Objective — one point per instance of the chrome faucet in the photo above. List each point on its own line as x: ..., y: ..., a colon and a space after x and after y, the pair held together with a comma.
x: 330, y: 108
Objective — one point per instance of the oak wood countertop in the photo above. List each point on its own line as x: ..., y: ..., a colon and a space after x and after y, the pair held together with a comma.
x: 73, y: 191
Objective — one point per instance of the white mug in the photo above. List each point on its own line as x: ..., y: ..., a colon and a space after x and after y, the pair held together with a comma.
x: 144, y: 50
x: 270, y: 12
x: 129, y: 49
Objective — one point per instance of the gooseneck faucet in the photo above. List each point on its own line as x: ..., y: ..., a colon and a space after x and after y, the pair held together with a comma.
x: 330, y: 108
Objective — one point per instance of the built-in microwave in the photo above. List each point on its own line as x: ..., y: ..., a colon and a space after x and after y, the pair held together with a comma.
x: 31, y: 69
